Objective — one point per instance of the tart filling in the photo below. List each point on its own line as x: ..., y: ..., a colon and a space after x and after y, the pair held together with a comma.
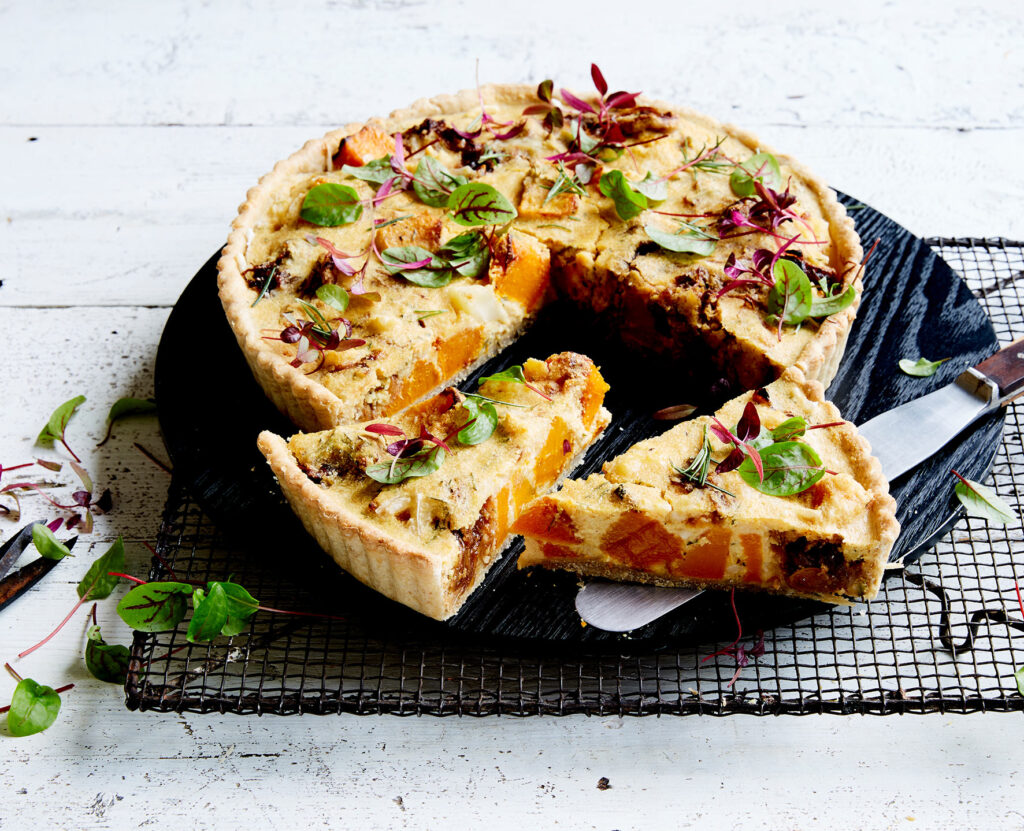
x: 819, y: 524
x: 420, y: 506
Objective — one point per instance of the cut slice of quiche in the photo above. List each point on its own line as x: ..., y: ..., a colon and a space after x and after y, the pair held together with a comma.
x: 420, y: 506
x: 692, y: 508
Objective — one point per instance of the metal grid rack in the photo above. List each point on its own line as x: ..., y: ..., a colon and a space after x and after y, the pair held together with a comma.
x: 941, y: 637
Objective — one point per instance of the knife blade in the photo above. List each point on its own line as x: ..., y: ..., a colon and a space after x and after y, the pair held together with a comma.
x: 900, y: 438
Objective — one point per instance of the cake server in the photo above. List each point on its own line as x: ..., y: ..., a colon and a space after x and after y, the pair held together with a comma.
x: 901, y: 439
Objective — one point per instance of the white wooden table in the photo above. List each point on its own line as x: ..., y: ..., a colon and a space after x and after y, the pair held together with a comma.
x: 129, y: 133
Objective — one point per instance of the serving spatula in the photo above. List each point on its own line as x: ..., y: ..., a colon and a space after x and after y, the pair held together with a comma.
x: 901, y: 439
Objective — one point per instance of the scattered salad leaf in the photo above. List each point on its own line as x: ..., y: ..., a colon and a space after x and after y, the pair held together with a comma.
x: 376, y: 172
x: 34, y: 707
x: 58, y: 424
x: 125, y: 407
x: 155, y: 607
x: 790, y: 298
x: 513, y: 374
x: 697, y: 471
x: 983, y: 502
x: 825, y: 306
x: 922, y: 367
x: 47, y: 544
x: 240, y: 607
x: 209, y: 613
x: 656, y: 190
x: 330, y: 204
x: 106, y: 661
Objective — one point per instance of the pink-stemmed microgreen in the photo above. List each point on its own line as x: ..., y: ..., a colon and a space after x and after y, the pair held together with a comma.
x: 747, y: 429
x: 515, y: 375
x: 736, y: 649
x: 96, y: 585
x: 56, y: 428
x: 688, y: 238
x: 33, y: 707
x: 983, y: 502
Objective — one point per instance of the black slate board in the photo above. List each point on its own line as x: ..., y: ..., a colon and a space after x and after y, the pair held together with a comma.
x: 211, y: 411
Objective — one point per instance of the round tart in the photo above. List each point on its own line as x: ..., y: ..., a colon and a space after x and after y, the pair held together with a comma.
x: 440, y: 230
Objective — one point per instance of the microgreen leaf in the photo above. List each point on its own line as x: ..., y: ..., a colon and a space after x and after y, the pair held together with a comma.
x: 125, y: 407
x: 825, y: 306
x: 513, y: 374
x: 240, y: 607
x: 407, y: 467
x: 790, y: 429
x: 922, y: 367
x: 155, y: 607
x: 478, y: 204
x: 689, y: 242
x: 434, y: 183
x: 98, y: 583
x: 106, y: 661
x: 331, y: 204
x: 467, y: 253
x: 656, y: 190
x: 376, y: 172
x: 209, y: 613
x: 789, y: 468
x: 417, y: 265
x: 481, y: 422
x: 334, y: 296
x: 47, y: 544
x: 58, y: 423
x: 790, y: 297
x: 628, y: 202
x: 34, y: 707
x: 565, y: 182
x: 762, y: 167
x: 983, y: 502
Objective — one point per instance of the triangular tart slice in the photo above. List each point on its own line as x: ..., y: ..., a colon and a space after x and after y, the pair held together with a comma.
x: 418, y: 506
x: 819, y: 524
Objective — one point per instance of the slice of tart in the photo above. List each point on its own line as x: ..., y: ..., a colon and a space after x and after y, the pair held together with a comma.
x: 419, y: 506
x: 689, y: 508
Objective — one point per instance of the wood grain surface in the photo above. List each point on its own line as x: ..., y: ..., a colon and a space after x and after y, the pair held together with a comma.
x: 128, y: 136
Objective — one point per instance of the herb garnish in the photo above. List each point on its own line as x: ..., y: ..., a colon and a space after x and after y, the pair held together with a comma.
x: 434, y: 183
x: 330, y: 204
x: 565, y: 182
x: 922, y: 367
x: 106, y: 661
x: 513, y: 374
x: 980, y: 501
x: 628, y: 201
x: 697, y: 471
x: 689, y: 239
x: 760, y: 168
x: 478, y: 204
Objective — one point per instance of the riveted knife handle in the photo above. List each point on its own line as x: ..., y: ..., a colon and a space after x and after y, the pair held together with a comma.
x: 1006, y: 368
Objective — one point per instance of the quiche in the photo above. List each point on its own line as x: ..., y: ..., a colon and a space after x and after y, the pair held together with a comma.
x: 689, y: 508
x: 390, y: 258
x: 420, y: 507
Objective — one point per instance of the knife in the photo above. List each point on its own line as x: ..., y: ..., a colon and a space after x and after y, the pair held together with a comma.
x: 901, y: 439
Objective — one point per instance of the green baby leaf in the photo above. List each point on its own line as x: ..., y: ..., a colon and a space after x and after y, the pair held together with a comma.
x: 478, y: 204
x: 330, y: 204
x: 34, y: 707
x: 155, y: 607
x: 106, y: 661
x: 922, y: 367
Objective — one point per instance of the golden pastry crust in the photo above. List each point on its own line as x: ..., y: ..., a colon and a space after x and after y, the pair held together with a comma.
x: 310, y: 402
x: 640, y: 521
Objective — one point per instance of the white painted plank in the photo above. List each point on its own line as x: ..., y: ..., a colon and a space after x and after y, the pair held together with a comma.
x: 867, y: 64
x: 125, y: 216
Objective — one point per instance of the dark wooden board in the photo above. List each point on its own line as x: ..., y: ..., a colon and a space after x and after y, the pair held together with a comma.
x: 211, y: 411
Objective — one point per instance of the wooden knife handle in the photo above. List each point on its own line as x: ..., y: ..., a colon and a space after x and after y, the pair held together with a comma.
x: 1006, y: 368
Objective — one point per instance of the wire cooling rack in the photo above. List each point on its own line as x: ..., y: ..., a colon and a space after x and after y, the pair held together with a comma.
x: 943, y: 636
